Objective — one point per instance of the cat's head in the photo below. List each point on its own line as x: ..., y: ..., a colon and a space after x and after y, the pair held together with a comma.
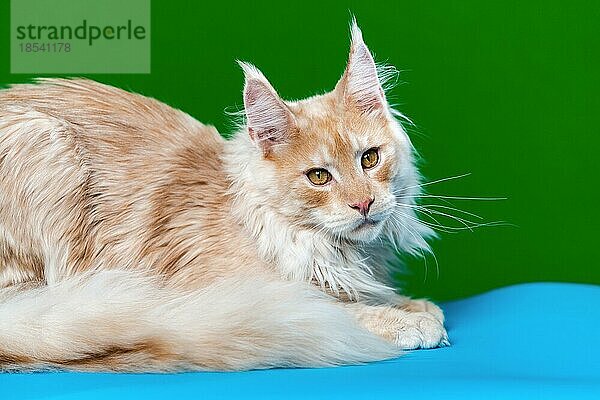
x: 340, y: 162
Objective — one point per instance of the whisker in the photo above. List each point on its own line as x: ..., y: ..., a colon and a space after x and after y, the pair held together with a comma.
x: 452, y: 209
x: 455, y: 229
x: 438, y: 181
x: 437, y: 227
x: 428, y: 249
x: 451, y: 197
x: 430, y: 215
x: 437, y: 265
x: 406, y: 228
x: 467, y: 223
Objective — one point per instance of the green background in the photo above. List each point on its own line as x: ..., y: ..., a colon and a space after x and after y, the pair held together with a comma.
x: 505, y: 90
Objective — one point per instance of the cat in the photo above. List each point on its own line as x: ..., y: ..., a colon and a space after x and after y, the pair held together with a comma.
x: 135, y: 238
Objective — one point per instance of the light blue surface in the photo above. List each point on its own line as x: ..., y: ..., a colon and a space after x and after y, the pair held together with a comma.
x: 527, y: 341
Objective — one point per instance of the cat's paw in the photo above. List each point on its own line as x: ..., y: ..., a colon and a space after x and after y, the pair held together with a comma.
x: 421, y: 330
x: 422, y: 305
x: 415, y: 324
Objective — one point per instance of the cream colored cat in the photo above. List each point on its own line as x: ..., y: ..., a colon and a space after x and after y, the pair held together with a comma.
x: 134, y: 238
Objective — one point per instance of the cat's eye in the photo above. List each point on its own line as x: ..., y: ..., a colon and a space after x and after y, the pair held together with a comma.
x: 318, y: 176
x: 370, y: 158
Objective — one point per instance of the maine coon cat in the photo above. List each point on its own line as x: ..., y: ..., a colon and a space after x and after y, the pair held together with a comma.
x: 134, y: 238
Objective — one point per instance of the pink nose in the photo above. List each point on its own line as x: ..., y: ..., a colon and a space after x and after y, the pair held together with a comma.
x: 362, y: 206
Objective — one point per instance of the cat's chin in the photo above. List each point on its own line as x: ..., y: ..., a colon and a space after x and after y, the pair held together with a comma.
x: 366, y: 231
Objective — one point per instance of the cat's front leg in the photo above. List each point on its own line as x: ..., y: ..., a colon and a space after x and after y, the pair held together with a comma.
x: 420, y: 305
x: 412, y: 324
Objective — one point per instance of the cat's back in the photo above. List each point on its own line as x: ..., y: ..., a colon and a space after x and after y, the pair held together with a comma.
x: 94, y: 162
x: 103, y: 128
x: 102, y: 119
x: 123, y: 143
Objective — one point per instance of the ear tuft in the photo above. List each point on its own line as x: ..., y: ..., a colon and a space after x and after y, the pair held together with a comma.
x: 250, y: 71
x: 360, y: 83
x: 268, y: 119
x: 355, y: 32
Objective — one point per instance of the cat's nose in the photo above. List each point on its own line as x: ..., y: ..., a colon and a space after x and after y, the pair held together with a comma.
x: 363, y: 206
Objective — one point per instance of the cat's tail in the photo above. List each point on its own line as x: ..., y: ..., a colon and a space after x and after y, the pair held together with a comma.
x: 117, y: 320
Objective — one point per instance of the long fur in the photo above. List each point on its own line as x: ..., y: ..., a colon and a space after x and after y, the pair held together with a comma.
x: 135, y: 238
x: 120, y: 320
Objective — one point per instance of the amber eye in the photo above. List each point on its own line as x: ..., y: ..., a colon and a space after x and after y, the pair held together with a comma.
x: 319, y: 176
x: 370, y: 158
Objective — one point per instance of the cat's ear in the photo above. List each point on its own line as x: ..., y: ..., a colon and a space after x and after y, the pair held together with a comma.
x: 269, y: 120
x: 360, y: 85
